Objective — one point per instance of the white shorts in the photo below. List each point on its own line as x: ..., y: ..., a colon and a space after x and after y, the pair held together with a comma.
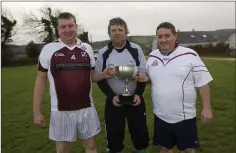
x: 69, y: 125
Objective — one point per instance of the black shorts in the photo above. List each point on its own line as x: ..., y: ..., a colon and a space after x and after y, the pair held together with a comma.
x: 183, y: 134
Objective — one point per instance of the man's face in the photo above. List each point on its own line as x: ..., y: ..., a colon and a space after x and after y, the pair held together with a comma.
x: 166, y: 39
x: 117, y: 34
x: 67, y: 29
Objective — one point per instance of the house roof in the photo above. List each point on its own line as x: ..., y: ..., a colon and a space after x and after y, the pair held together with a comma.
x: 187, y: 37
x: 194, y: 37
x: 223, y: 35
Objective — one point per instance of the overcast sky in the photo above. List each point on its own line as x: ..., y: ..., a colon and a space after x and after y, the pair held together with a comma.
x: 142, y: 17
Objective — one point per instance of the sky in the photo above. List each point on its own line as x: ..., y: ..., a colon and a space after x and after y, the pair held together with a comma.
x: 142, y: 18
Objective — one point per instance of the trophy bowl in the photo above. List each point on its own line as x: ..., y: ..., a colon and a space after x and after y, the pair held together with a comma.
x: 126, y: 73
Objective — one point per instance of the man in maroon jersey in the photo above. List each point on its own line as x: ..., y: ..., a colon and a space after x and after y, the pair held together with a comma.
x: 69, y: 65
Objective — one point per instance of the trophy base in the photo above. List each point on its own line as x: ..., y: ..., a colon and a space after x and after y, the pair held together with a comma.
x: 126, y: 99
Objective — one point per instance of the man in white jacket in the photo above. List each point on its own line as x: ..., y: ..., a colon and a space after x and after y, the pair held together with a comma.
x: 174, y: 72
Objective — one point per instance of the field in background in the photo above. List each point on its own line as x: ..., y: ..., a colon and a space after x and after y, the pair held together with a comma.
x: 20, y: 135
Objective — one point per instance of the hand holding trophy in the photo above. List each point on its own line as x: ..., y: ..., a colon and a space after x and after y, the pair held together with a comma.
x: 109, y: 72
x: 142, y: 77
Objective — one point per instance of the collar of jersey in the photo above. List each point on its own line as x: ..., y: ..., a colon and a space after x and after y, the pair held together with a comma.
x: 167, y: 54
x: 78, y: 42
x: 127, y: 46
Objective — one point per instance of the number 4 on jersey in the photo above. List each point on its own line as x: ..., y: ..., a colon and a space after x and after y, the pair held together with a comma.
x: 73, y: 57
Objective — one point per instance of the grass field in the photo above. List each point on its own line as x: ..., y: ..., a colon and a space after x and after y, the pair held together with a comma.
x: 20, y: 135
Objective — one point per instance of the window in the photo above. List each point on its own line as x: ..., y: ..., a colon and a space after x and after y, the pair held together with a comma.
x: 204, y: 36
x: 192, y: 36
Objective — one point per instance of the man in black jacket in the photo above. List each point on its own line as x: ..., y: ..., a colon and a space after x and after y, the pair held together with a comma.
x: 121, y: 52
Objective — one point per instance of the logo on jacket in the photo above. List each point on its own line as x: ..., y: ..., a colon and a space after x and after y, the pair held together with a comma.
x: 165, y: 59
x: 155, y: 63
x: 83, y: 54
x: 111, y: 65
x: 59, y: 54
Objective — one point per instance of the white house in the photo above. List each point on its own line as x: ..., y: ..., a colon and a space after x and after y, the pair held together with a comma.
x: 191, y: 38
x: 231, y: 41
x: 154, y: 44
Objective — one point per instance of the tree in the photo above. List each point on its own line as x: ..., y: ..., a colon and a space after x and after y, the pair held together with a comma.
x: 45, y: 27
x: 32, y: 50
x: 222, y: 49
x: 84, y: 37
x: 209, y: 49
x: 7, y: 31
x: 198, y: 48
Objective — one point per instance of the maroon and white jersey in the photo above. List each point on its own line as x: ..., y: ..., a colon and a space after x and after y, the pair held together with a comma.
x: 68, y: 70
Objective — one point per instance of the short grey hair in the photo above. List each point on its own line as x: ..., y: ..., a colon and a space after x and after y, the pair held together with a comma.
x: 118, y: 21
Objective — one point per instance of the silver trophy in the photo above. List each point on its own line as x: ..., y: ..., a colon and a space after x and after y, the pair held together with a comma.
x: 126, y: 73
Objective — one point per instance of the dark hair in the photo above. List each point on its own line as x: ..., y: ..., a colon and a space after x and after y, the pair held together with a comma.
x: 167, y: 25
x: 66, y: 15
x: 117, y: 21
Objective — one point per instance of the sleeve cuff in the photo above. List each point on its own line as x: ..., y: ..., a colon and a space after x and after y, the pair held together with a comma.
x: 41, y: 68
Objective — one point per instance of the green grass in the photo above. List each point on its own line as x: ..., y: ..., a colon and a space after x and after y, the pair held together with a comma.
x: 20, y: 135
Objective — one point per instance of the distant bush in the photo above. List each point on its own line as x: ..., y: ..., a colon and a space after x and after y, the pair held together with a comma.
x: 21, y: 62
x: 10, y: 58
x: 219, y: 50
x: 232, y: 53
x: 6, y: 55
x: 32, y: 50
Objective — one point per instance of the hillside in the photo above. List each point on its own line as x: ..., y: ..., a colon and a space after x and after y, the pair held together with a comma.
x: 144, y: 41
x: 184, y: 37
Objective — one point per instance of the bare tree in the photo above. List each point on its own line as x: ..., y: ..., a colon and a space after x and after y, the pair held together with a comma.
x: 45, y: 26
x: 7, y: 32
x: 8, y: 29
